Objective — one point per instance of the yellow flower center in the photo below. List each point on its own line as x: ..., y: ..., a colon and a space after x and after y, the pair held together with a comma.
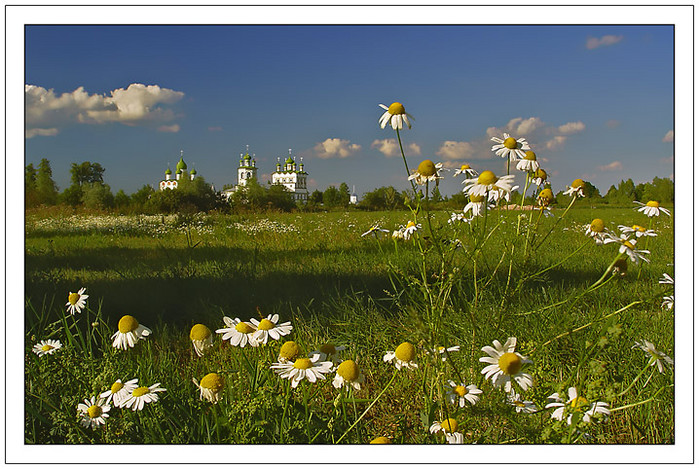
x: 244, y: 328
x: 73, y: 298
x: 639, y: 228
x: 476, y: 199
x: 546, y: 195
x: 396, y: 108
x: 597, y: 225
x: 265, y: 325
x: 540, y: 173
x: 578, y: 403
x: 518, y: 403
x: 450, y: 425
x: 410, y: 224
x: 652, y: 203
x: 510, y: 363
x: 116, y: 387
x: 406, y: 352
x: 94, y: 411
x: 212, y: 381
x: 629, y: 245
x: 510, y: 143
x: 46, y: 347
x: 530, y: 155
x: 303, y: 363
x: 578, y: 183
x: 199, y: 332
x: 460, y: 390
x: 289, y: 350
x: 127, y: 324
x: 487, y: 178
x: 466, y: 166
x: 381, y: 440
x: 140, y: 391
x: 427, y: 168
x: 349, y: 370
x: 328, y: 349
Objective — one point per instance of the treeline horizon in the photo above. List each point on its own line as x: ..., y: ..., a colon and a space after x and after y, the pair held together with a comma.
x: 89, y: 191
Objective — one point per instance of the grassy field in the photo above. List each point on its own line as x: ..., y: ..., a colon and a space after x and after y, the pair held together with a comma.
x: 367, y: 294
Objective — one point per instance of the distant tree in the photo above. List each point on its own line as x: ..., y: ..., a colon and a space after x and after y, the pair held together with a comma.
x: 344, y: 194
x: 332, y: 197
x: 316, y: 197
x: 436, y: 196
x: 31, y: 195
x: 86, y: 173
x: 121, y: 200
x: 71, y: 195
x: 280, y: 198
x: 383, y: 198
x: 97, y: 196
x: 45, y: 187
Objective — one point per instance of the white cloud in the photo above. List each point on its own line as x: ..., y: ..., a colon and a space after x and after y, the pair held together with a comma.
x: 136, y: 105
x: 336, y: 148
x: 669, y: 136
x: 169, y: 128
x: 613, y: 166
x: 389, y: 147
x: 571, y: 128
x: 556, y: 142
x: 40, y: 132
x: 612, y: 123
x: 215, y: 129
x: 519, y: 126
x: 608, y: 40
x: 452, y: 150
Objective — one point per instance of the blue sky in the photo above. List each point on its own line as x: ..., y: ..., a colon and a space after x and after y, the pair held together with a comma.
x: 593, y: 101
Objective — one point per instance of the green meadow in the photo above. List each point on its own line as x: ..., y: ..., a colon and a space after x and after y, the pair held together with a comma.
x: 458, y: 284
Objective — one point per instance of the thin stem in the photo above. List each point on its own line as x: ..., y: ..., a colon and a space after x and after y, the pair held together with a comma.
x: 370, y: 406
x: 575, y: 197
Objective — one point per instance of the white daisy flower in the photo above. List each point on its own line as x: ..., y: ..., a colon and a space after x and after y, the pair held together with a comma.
x: 574, y: 405
x: 637, y: 230
x: 576, y: 188
x: 457, y: 217
x: 268, y: 327
x: 656, y: 356
x: 329, y: 352
x: 466, y: 169
x: 120, y: 392
x: 509, y: 147
x: 539, y: 177
x: 628, y: 247
x: 210, y: 387
x: 239, y: 332
x: 348, y: 374
x: 668, y: 302
x: 449, y: 427
x: 516, y: 401
x: 505, y: 365
x: 405, y: 232
x: 426, y: 171
x: 143, y: 395
x: 311, y: 369
x: 201, y: 338
x: 461, y: 394
x: 375, y: 230
x: 545, y: 197
x: 93, y: 413
x: 597, y: 231
x: 439, y: 350
x: 76, y: 301
x: 396, y: 115
x: 651, y: 208
x: 666, y: 280
x: 47, y: 347
x: 489, y: 184
x: 130, y: 332
x: 402, y: 357
x: 528, y: 163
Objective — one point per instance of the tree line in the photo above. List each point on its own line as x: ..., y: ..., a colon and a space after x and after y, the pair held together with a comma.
x: 88, y: 189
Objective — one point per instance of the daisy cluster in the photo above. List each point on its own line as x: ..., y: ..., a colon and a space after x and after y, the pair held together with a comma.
x: 265, y: 225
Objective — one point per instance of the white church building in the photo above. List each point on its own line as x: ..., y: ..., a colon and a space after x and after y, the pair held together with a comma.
x: 180, y: 171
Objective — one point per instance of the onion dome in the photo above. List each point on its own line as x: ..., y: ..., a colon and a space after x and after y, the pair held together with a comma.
x: 181, y: 165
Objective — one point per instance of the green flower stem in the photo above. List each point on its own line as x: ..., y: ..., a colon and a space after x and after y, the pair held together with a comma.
x: 405, y: 162
x: 575, y: 197
x: 652, y: 398
x: 557, y: 264
x: 395, y: 372
x: 635, y: 379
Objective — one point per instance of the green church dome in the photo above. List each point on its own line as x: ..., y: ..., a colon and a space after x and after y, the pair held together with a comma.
x: 168, y: 171
x: 289, y: 160
x: 181, y: 165
x: 194, y: 171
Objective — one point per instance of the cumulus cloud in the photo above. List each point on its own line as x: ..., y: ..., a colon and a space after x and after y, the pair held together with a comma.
x: 669, y: 136
x: 29, y: 133
x: 138, y: 104
x: 613, y: 166
x: 608, y: 40
x: 169, y: 128
x: 452, y: 151
x: 389, y: 147
x: 336, y: 148
x: 612, y: 123
x: 571, y: 128
x: 556, y: 142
